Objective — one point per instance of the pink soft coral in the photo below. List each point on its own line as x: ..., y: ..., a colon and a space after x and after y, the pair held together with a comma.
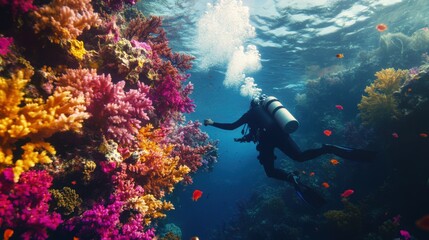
x: 5, y: 43
x: 117, y: 113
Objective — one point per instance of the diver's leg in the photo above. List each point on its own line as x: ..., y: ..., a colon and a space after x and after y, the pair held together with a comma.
x: 266, y: 158
x: 361, y: 155
x: 289, y: 147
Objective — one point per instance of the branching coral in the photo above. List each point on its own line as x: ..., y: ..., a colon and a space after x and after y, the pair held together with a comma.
x: 159, y: 171
x: 36, y: 119
x: 27, y: 205
x: 65, y: 19
x: 18, y: 5
x: 118, y: 113
x: 379, y: 106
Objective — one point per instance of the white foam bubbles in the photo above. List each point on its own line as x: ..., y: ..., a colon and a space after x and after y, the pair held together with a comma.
x: 242, y: 63
x: 221, y: 30
x: 250, y: 88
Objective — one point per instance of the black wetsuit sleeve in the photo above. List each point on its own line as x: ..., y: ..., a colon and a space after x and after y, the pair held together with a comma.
x: 231, y: 126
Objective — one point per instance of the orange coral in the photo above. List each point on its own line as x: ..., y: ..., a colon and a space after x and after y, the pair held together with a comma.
x: 161, y: 171
x: 65, y: 19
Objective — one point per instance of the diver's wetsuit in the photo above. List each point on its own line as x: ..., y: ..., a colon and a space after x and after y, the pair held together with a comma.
x: 271, y: 136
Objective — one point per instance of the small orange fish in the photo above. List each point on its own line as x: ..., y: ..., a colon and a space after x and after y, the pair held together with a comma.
x: 325, y: 185
x: 423, y: 135
x: 7, y: 234
x: 339, y: 55
x: 196, y: 195
x: 334, y: 162
x: 312, y: 174
x: 381, y: 27
x: 75, y: 238
x: 423, y: 223
x: 327, y: 132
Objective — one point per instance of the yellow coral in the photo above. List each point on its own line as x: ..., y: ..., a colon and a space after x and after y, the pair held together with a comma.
x: 76, y: 49
x: 66, y: 199
x: 150, y: 207
x: 33, y: 119
x: 380, y: 106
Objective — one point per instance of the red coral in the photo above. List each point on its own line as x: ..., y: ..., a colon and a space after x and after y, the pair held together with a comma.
x: 18, y: 5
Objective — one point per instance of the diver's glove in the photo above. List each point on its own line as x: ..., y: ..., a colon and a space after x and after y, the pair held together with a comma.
x: 208, y: 122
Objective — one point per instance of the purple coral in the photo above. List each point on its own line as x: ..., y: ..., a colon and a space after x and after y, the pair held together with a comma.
x: 26, y: 207
x: 5, y: 43
x: 118, y: 5
x: 169, y: 97
x: 18, y: 5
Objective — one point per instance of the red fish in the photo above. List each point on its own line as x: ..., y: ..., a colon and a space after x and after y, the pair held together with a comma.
x: 423, y: 223
x: 7, y: 234
x: 339, y: 55
x: 327, y: 132
x: 339, y: 107
x: 312, y: 174
x: 381, y: 27
x: 347, y: 193
x: 334, y: 162
x: 395, y: 135
x: 196, y: 195
x: 423, y: 135
x: 325, y: 185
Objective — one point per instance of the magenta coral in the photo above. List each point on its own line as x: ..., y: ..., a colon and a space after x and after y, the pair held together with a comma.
x: 18, y: 5
x: 169, y: 97
x: 5, y: 43
x: 118, y: 5
x: 26, y: 207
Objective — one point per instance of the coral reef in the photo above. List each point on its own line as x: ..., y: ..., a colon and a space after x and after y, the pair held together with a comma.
x: 93, y: 130
x: 65, y: 19
x: 380, y: 106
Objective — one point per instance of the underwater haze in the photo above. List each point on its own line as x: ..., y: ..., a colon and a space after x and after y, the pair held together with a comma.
x: 288, y: 49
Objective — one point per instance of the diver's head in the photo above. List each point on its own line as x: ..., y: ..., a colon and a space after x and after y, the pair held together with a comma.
x: 257, y: 100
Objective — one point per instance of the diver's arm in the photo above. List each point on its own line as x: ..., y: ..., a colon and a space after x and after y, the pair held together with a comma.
x: 227, y: 126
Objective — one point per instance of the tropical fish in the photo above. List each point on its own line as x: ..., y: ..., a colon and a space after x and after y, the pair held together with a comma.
x: 196, y: 195
x: 423, y: 135
x: 339, y: 107
x: 423, y: 223
x: 334, y: 162
x: 381, y: 27
x: 75, y: 238
x: 339, y: 55
x: 73, y: 182
x: 312, y: 174
x: 7, y: 234
x: 405, y: 234
x: 395, y: 135
x: 327, y: 132
x: 347, y: 193
x: 195, y: 238
x: 325, y: 185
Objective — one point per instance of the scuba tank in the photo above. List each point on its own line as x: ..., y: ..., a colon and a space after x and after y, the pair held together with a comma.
x: 282, y: 116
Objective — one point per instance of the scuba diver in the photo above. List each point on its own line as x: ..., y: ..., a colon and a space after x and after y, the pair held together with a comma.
x: 269, y: 124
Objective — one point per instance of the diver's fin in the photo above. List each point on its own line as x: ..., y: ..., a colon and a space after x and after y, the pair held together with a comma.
x: 309, y: 196
x: 355, y: 154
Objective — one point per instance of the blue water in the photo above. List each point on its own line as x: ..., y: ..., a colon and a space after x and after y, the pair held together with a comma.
x: 292, y: 37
